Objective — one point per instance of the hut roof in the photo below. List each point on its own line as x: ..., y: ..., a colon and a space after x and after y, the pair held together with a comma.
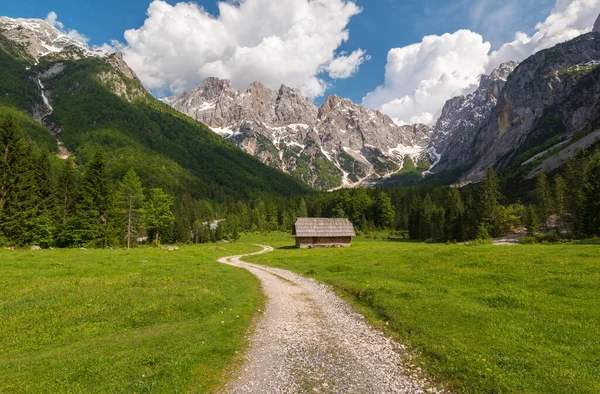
x: 319, y: 227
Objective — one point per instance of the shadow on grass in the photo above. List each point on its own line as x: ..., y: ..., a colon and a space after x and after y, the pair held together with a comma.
x: 286, y: 247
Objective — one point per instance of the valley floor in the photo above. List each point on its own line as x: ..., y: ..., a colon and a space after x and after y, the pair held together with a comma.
x: 482, y: 319
x: 479, y: 319
x: 118, y: 321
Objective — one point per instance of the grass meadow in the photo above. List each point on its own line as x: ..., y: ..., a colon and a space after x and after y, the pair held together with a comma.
x: 483, y: 319
x: 143, y: 320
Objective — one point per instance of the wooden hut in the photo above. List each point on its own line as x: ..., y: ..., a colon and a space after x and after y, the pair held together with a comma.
x: 323, y: 233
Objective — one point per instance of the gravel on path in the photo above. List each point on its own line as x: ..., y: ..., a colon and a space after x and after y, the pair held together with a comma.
x: 310, y: 340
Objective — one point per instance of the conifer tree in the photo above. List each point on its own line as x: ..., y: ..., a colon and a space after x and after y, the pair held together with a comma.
x: 96, y: 205
x: 531, y: 221
x: 591, y: 193
x: 384, y: 211
x: 560, y: 203
x: 575, y: 177
x: 18, y: 191
x: 131, y: 199
x: 47, y: 217
x: 302, y: 209
x: 157, y: 214
x: 544, y: 199
x: 489, y: 202
x: 454, y: 215
x: 13, y: 150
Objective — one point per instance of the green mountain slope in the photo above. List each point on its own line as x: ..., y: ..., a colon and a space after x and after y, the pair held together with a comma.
x: 96, y: 105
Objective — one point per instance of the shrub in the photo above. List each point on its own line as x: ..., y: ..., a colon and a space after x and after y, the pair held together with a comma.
x: 551, y: 238
x: 528, y: 241
x: 483, y: 235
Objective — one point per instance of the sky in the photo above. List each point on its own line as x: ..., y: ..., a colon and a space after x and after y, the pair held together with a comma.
x: 404, y: 57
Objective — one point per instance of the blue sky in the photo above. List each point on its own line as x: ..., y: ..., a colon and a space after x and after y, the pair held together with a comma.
x: 382, y: 25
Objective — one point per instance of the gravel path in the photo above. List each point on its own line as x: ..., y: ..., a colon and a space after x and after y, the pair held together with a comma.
x: 310, y: 340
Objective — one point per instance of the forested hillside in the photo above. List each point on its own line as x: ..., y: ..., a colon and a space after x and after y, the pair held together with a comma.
x: 92, y: 104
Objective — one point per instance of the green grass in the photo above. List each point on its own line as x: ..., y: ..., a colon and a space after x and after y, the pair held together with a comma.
x: 484, y: 319
x: 122, y: 321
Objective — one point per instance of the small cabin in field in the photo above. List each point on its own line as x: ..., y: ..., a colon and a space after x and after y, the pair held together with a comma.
x: 323, y: 233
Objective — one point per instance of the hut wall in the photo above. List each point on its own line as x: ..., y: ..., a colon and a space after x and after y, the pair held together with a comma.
x: 323, y: 242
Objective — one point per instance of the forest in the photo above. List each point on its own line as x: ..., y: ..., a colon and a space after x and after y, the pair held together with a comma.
x: 48, y: 202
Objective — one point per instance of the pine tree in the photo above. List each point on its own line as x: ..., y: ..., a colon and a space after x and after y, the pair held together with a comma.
x: 46, y: 221
x: 131, y: 199
x: 489, y: 202
x: 454, y: 215
x: 560, y: 203
x: 18, y: 189
x: 575, y: 177
x: 96, y: 205
x: 531, y: 221
x: 591, y: 193
x: 384, y: 211
x: 157, y: 214
x: 544, y: 199
x: 302, y: 209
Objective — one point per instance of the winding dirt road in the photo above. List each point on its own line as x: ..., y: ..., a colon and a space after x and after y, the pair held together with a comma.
x: 310, y: 340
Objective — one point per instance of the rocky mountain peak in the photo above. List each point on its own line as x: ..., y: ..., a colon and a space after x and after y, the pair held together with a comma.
x: 461, y: 116
x: 340, y: 143
x: 117, y: 61
x: 40, y: 39
x: 596, y: 28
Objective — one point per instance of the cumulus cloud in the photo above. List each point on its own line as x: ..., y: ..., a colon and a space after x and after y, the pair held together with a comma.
x: 52, y: 19
x: 420, y: 78
x: 344, y: 66
x: 288, y: 41
x: 568, y: 19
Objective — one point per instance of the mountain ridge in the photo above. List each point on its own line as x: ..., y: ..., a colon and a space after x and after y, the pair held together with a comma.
x: 337, y: 144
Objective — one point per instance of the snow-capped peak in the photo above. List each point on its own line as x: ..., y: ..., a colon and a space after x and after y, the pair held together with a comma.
x: 39, y: 38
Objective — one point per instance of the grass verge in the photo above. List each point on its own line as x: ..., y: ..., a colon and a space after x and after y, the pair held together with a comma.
x: 122, y: 321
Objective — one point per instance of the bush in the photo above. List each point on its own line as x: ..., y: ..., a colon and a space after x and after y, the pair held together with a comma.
x: 528, y: 241
x: 483, y: 235
x: 551, y: 238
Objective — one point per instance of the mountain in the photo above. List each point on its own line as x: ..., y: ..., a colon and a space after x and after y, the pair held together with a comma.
x: 338, y: 144
x: 461, y: 116
x: 523, y: 118
x: 72, y: 100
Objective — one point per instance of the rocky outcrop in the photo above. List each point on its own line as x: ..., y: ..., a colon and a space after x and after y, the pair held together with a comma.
x: 338, y: 144
x: 596, y: 28
x: 116, y: 60
x: 455, y: 130
x: 551, y: 96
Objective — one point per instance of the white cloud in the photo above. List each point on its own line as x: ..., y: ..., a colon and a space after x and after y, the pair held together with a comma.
x: 288, y: 41
x: 420, y: 78
x: 344, y: 66
x: 52, y: 19
x: 568, y: 19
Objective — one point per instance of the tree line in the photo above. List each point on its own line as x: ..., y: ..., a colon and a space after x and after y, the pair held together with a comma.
x: 48, y: 202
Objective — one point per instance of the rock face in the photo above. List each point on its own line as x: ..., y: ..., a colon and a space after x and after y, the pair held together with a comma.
x: 338, y: 144
x: 596, y: 28
x: 547, y: 99
x: 455, y: 130
x: 521, y: 114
